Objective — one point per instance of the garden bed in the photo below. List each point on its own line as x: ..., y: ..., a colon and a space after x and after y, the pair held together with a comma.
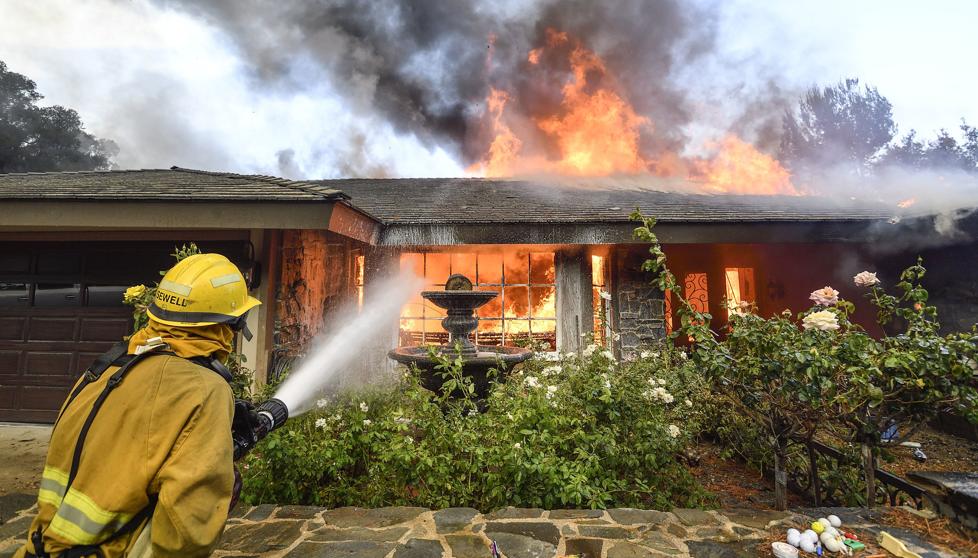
x: 945, y: 453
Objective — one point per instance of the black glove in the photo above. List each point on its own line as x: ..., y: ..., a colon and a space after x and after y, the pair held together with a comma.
x: 243, y: 427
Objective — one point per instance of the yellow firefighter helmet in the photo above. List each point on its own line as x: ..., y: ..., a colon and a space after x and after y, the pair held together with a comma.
x: 203, y: 289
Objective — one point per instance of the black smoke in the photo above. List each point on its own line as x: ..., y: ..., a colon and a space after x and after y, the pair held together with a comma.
x: 427, y: 66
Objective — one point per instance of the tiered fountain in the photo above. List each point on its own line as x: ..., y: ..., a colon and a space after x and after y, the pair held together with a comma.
x: 460, y: 302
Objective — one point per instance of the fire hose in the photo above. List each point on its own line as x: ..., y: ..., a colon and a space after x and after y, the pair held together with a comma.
x: 251, y: 424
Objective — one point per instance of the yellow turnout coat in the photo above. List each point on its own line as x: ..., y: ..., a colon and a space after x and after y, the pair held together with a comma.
x: 164, y: 432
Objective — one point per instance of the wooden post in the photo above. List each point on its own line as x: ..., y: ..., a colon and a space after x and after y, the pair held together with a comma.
x: 814, y: 480
x: 780, y: 479
x: 572, y: 268
x: 869, y: 472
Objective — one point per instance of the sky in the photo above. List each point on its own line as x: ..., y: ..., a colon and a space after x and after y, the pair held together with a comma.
x: 171, y: 88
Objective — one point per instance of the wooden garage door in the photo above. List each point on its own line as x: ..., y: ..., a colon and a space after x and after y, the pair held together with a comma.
x: 61, y: 306
x: 42, y: 351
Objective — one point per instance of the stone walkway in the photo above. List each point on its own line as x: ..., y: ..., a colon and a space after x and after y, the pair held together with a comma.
x: 403, y: 532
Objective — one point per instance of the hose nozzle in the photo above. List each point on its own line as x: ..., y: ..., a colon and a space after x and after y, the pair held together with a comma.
x: 246, y: 432
x: 272, y: 414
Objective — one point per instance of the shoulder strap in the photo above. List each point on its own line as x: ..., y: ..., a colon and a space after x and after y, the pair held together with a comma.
x: 94, y: 372
x: 113, y: 382
x: 211, y: 363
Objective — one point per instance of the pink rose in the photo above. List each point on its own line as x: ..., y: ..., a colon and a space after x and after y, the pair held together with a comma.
x: 826, y: 296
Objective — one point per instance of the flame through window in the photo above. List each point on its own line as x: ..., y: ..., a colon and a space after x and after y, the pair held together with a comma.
x: 525, y: 308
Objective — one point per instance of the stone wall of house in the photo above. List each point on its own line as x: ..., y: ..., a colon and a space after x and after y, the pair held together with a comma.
x: 639, y: 307
x: 316, y: 282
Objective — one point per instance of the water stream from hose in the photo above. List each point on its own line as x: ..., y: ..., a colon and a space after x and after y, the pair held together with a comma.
x: 334, y: 356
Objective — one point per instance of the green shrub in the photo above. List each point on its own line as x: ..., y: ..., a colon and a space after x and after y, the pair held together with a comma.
x: 581, y: 431
x: 788, y: 377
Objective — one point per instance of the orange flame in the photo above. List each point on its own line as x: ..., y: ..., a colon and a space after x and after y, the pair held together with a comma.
x: 505, y: 147
x: 739, y: 168
x: 907, y: 203
x: 595, y: 131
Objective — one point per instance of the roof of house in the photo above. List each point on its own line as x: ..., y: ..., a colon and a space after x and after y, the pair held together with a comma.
x: 174, y: 184
x: 474, y: 200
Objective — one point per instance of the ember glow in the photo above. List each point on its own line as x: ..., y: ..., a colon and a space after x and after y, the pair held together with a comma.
x: 591, y: 129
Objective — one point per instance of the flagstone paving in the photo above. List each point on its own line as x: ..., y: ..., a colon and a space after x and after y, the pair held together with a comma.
x: 407, y: 532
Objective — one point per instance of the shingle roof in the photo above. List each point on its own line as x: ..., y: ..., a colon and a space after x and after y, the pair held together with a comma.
x: 174, y: 184
x: 473, y: 200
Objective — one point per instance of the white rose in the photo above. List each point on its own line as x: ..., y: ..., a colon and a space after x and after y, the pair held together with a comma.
x: 607, y: 354
x: 322, y: 403
x: 689, y: 403
x: 531, y: 381
x: 824, y: 320
x: 321, y: 423
x: 517, y: 445
x: 865, y: 279
x: 364, y: 407
x: 674, y: 431
x: 589, y: 350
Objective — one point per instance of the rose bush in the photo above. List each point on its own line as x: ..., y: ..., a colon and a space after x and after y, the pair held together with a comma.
x: 570, y: 431
x: 795, y: 377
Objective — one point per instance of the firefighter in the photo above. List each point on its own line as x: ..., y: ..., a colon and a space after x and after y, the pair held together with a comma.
x: 140, y: 458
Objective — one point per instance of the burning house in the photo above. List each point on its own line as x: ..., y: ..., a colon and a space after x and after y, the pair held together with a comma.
x: 558, y: 248
x: 560, y: 254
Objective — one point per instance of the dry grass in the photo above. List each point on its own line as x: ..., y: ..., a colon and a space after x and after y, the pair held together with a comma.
x: 940, y: 531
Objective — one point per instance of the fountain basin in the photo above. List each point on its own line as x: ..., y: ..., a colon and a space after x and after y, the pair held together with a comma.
x: 476, y: 366
x: 462, y: 301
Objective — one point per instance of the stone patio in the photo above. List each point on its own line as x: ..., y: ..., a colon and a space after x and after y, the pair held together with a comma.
x: 404, y: 532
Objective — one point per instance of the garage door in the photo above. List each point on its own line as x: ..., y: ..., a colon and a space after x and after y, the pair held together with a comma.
x: 60, y: 307
x: 43, y: 349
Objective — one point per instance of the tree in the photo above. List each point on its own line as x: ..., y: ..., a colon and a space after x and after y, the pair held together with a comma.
x: 35, y: 138
x: 943, y: 152
x: 844, y: 124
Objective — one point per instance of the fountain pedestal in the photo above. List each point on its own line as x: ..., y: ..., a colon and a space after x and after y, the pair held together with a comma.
x: 460, y: 303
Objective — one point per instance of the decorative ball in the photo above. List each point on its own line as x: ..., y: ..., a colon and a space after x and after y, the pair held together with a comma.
x: 808, y: 545
x: 831, y: 543
x: 810, y: 535
x: 458, y: 282
x: 834, y: 521
x: 825, y: 522
x: 794, y: 537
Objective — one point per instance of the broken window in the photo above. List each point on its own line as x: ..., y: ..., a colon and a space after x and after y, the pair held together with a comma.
x: 600, y: 299
x: 740, y: 289
x: 359, y: 263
